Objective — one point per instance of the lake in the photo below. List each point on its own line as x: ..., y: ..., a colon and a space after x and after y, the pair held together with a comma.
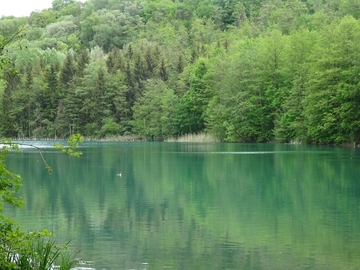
x: 196, y: 205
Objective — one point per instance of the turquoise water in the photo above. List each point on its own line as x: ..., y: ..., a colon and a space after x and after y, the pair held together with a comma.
x: 197, y: 205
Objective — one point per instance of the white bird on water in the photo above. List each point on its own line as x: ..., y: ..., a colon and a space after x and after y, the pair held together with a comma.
x: 118, y: 174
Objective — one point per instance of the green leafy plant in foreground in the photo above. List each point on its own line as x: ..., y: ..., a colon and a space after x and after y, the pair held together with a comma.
x: 35, y: 250
x: 39, y: 251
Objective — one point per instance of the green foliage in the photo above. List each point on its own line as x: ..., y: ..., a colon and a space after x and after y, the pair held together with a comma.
x: 43, y: 18
x: 109, y: 127
x: 114, y: 29
x: 59, y: 4
x: 36, y: 250
x: 331, y: 101
x: 239, y: 110
x: 190, y: 114
x: 72, y: 143
x: 9, y: 182
x: 154, y: 111
x: 249, y: 71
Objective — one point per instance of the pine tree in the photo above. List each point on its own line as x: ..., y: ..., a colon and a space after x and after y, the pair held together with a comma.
x: 180, y: 64
x: 111, y: 60
x: 82, y: 60
x: 139, y: 74
x: 150, y: 60
x: 68, y: 70
x: 163, y: 73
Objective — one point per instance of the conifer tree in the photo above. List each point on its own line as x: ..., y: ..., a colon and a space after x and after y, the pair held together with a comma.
x: 163, y: 73
x: 82, y: 60
x: 68, y: 70
x: 150, y: 60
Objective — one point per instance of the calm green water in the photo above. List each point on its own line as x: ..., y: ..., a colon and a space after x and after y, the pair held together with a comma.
x: 198, y: 206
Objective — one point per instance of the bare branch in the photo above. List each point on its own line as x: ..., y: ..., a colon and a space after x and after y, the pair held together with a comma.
x: 47, y: 166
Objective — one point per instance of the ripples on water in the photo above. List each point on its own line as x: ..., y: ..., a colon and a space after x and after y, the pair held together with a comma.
x: 197, y: 206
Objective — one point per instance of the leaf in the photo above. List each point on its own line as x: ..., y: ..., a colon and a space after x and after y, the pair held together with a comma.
x: 72, y: 142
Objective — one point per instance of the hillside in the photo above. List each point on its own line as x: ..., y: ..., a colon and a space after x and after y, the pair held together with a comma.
x: 249, y: 71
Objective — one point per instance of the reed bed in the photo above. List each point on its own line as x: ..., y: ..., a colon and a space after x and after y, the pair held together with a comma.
x: 198, y: 137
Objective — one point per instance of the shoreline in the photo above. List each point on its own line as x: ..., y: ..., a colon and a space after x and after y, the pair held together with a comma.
x: 189, y: 138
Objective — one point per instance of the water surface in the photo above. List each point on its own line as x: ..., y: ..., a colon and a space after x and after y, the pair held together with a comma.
x: 197, y: 206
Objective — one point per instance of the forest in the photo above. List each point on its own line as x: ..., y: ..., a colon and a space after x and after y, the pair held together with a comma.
x: 241, y: 71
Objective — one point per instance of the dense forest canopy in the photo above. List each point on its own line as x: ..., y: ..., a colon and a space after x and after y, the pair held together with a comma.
x: 243, y: 71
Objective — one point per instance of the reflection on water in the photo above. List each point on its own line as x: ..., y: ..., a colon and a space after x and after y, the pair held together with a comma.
x: 198, y: 206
